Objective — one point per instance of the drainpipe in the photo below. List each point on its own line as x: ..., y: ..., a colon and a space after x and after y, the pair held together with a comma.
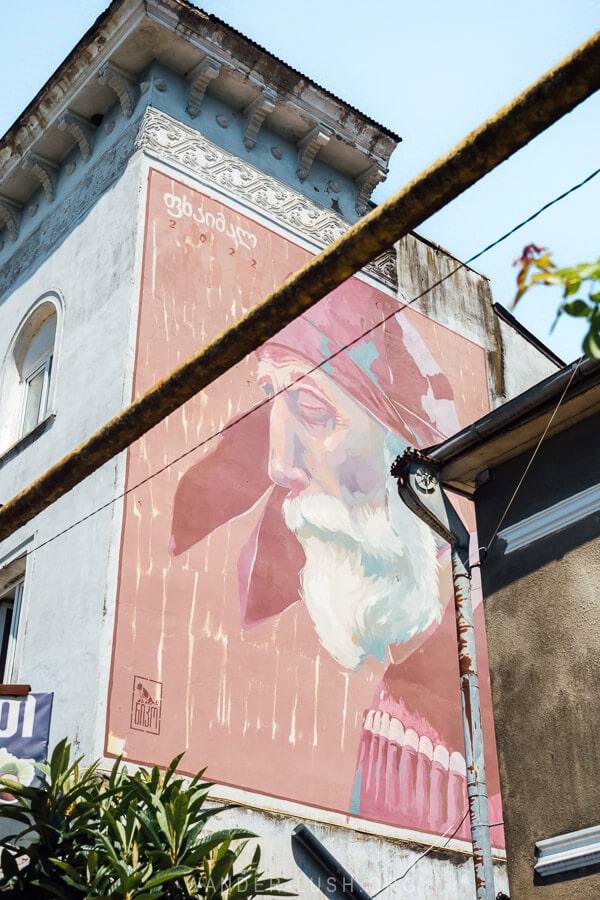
x: 420, y: 488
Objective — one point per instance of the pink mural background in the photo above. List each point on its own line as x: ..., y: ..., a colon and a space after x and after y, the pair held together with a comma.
x: 255, y: 697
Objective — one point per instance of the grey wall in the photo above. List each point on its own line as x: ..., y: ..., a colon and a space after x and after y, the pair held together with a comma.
x: 543, y: 627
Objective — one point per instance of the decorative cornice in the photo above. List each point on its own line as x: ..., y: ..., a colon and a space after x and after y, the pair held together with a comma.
x: 199, y: 79
x: 36, y: 246
x: 81, y: 129
x: 44, y: 170
x: 172, y: 142
x: 552, y: 519
x: 308, y: 147
x: 122, y: 84
x: 255, y: 114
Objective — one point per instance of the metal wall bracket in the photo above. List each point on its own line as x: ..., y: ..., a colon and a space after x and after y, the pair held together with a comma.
x: 419, y: 487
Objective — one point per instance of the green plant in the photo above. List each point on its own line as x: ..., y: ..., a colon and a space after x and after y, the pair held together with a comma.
x: 536, y: 267
x: 124, y: 836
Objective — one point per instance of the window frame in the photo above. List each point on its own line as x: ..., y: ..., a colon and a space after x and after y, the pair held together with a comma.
x: 44, y: 366
x: 11, y: 602
x: 17, y: 371
x: 12, y: 587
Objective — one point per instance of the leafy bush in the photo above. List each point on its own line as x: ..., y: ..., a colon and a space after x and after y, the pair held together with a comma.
x: 571, y: 279
x: 142, y: 835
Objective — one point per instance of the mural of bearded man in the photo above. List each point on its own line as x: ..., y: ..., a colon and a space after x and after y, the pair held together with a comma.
x: 347, y: 387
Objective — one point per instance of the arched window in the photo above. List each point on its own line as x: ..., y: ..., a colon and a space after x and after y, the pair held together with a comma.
x: 27, y: 390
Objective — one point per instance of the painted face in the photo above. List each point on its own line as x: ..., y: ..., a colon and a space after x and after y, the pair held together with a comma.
x: 370, y: 578
x: 322, y: 441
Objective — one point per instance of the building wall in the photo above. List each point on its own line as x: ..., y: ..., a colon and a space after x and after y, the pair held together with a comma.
x: 66, y: 620
x: 438, y: 284
x: 89, y: 248
x: 543, y: 626
x: 173, y: 631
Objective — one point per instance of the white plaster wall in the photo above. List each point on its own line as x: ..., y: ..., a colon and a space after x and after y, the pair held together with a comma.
x: 372, y: 860
x: 68, y: 607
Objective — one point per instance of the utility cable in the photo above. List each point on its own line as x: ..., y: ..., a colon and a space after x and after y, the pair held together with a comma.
x: 424, y: 854
x: 533, y: 216
x: 325, y: 361
x: 483, y: 551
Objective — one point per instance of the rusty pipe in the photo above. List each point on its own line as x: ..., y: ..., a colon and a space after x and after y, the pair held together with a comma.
x: 473, y: 735
x: 570, y: 82
x: 420, y: 488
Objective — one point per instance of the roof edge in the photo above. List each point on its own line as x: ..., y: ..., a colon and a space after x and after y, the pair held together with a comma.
x: 576, y: 378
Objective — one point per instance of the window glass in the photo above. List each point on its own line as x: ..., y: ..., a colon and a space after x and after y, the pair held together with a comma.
x: 36, y: 396
x: 10, y: 607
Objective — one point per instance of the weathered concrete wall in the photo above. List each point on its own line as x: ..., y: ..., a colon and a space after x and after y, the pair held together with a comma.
x: 543, y: 626
x: 374, y: 862
x: 433, y: 281
x: 64, y: 641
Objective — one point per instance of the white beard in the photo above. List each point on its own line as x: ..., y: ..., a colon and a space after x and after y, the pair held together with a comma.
x: 370, y: 578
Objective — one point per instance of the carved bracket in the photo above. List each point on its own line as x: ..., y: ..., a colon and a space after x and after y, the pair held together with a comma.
x: 366, y: 184
x: 255, y: 114
x: 44, y: 170
x: 308, y: 147
x: 10, y: 214
x: 81, y: 129
x: 199, y: 78
x: 122, y: 84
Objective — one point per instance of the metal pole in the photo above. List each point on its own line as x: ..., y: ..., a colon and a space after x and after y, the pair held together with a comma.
x: 471, y: 714
x: 420, y: 488
x: 556, y: 93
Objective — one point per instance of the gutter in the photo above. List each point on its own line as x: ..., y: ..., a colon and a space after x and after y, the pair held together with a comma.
x: 527, y: 406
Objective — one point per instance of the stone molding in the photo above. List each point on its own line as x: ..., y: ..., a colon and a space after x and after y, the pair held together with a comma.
x: 44, y: 170
x: 255, y: 114
x: 81, y: 129
x: 549, y: 521
x: 10, y: 214
x: 199, y: 80
x: 308, y: 148
x: 123, y: 84
x: 168, y: 140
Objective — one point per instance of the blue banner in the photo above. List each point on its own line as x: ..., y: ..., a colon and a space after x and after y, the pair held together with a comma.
x: 24, y: 734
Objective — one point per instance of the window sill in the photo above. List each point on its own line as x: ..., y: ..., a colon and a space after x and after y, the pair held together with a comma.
x: 27, y: 439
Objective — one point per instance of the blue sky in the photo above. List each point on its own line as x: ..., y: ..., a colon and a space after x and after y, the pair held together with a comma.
x: 429, y: 71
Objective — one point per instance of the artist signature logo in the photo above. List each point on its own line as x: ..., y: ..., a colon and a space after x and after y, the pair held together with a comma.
x: 146, y: 705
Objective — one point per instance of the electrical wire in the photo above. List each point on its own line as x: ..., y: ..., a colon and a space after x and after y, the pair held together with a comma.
x: 325, y: 361
x: 533, y: 216
x: 423, y: 855
x: 483, y: 551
